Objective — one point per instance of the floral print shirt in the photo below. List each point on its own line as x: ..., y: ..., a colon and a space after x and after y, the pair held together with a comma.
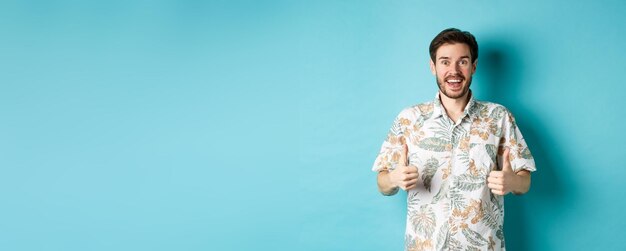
x: 452, y: 208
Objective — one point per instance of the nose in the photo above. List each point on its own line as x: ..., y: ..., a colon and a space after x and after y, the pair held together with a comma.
x: 456, y: 68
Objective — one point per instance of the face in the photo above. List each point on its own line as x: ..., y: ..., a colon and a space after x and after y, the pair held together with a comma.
x: 453, y: 69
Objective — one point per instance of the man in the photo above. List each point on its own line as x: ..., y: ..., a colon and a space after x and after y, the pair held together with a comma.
x: 455, y: 156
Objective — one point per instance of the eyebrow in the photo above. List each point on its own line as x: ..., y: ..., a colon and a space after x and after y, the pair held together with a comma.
x: 449, y: 57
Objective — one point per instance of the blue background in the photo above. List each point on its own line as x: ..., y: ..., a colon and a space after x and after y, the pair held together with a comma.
x: 253, y: 125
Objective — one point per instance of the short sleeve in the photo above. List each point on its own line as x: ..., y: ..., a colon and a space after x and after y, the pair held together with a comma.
x: 520, y: 156
x: 390, y: 151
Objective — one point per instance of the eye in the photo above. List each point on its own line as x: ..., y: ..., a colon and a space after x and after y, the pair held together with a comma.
x: 463, y: 62
x: 445, y: 62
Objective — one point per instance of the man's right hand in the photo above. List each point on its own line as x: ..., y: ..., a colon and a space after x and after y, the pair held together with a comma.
x: 404, y: 176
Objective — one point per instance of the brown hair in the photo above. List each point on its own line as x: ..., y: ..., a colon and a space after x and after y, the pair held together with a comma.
x: 453, y: 36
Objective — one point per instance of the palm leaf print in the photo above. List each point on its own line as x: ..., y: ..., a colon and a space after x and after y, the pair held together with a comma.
x: 433, y: 144
x: 413, y: 199
x: 497, y: 113
x: 491, y: 215
x: 424, y: 221
x: 457, y: 134
x: 492, y: 150
x: 426, y: 110
x: 468, y: 182
x: 443, y: 191
x: 442, y: 128
x: 443, y: 234
x: 454, y: 245
x: 396, y: 127
x: 525, y: 154
x: 430, y: 168
x: 473, y: 237
x: 457, y: 200
x: 464, y: 158
x: 472, y: 248
x: 495, y: 201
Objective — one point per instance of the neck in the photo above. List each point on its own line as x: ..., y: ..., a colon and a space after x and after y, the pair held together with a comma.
x: 454, y: 106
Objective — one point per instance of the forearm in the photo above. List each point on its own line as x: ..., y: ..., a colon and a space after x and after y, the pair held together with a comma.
x: 523, y: 182
x: 385, y: 185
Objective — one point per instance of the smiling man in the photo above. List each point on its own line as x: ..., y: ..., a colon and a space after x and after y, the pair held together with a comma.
x: 456, y: 157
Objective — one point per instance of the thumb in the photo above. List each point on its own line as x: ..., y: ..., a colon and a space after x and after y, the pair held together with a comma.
x: 403, y: 153
x: 506, y: 161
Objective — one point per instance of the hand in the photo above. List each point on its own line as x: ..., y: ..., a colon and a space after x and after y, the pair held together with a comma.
x: 404, y: 176
x: 505, y: 181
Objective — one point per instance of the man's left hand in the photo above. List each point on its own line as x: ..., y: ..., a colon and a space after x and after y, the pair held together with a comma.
x: 505, y: 181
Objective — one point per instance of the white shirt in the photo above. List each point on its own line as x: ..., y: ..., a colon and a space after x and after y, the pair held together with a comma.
x: 452, y: 208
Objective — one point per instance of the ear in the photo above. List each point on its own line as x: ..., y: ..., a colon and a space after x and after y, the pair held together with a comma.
x: 474, y: 66
x: 432, y: 68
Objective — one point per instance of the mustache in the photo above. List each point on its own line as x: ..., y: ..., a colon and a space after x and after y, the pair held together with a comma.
x: 455, y: 76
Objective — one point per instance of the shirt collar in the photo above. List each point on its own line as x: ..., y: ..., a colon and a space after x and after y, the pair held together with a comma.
x: 470, y: 110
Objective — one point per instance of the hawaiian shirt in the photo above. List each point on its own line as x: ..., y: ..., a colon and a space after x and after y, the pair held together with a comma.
x: 452, y: 208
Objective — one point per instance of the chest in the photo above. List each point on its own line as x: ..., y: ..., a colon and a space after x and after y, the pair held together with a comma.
x: 472, y: 144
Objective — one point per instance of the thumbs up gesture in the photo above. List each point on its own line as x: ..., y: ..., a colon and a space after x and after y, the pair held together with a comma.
x: 404, y: 176
x: 505, y: 181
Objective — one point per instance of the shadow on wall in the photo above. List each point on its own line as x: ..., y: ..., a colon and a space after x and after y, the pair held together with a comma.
x: 501, y: 66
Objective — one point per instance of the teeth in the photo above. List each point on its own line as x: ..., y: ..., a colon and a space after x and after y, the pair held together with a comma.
x: 454, y: 80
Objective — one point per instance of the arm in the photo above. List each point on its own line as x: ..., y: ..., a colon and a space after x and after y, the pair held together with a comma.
x: 516, y: 154
x: 508, y: 181
x: 403, y: 176
x: 523, y: 183
x: 385, y: 186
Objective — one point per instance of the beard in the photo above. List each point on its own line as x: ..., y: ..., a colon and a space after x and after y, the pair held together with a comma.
x: 442, y: 87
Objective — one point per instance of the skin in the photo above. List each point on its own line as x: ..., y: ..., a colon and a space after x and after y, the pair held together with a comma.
x: 403, y: 177
x: 453, y: 63
x: 507, y: 181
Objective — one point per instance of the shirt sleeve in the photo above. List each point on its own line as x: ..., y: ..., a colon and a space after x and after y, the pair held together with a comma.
x: 390, y: 151
x: 520, y: 156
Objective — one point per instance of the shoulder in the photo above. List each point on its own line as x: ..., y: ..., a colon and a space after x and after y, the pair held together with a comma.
x: 415, y: 111
x: 494, y: 110
x: 490, y: 106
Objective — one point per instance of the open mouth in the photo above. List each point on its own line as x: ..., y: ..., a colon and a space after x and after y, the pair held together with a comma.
x: 454, y: 82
